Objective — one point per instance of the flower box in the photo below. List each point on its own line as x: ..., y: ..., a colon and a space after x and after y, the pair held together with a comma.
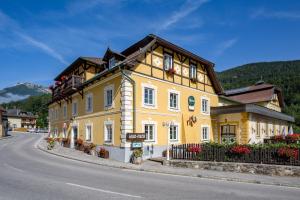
x: 103, y: 153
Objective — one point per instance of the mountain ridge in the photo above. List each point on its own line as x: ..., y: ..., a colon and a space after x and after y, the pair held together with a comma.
x: 21, y: 91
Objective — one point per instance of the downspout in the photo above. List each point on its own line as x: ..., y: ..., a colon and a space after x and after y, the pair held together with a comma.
x: 133, y: 97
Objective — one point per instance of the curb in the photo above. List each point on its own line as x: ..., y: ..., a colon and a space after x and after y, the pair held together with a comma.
x: 174, y: 174
x: 6, y: 137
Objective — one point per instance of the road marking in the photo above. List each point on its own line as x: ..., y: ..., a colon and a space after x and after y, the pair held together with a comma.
x: 104, y: 191
x: 14, y: 168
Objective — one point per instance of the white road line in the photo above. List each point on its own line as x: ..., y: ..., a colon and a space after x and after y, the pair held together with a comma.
x: 12, y: 167
x: 104, y: 191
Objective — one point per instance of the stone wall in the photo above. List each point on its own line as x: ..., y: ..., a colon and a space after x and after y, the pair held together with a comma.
x: 272, y: 170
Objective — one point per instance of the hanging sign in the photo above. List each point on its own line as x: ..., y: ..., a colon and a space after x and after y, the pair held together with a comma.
x: 191, y: 103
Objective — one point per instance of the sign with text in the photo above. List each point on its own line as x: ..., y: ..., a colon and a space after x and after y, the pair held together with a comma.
x: 136, y: 136
x: 136, y: 145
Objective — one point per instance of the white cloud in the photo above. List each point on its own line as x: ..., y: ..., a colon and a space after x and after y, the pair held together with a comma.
x: 187, y: 8
x: 12, y: 26
x: 262, y: 13
x: 223, y: 46
x: 42, y: 46
x: 12, y: 97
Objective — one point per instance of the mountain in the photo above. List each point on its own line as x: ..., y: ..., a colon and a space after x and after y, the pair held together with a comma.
x: 285, y: 74
x: 21, y: 91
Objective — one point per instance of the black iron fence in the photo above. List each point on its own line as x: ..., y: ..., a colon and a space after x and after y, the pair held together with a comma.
x: 239, y: 153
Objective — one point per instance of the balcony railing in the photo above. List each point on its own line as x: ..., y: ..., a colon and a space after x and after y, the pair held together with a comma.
x: 67, y: 86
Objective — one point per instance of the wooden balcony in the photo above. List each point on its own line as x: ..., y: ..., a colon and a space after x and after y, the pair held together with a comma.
x: 67, y: 87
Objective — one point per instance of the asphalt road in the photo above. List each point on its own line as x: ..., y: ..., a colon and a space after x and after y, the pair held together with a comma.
x: 28, y: 173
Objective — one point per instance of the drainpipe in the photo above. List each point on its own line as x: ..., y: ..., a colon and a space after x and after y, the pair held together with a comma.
x: 133, y: 97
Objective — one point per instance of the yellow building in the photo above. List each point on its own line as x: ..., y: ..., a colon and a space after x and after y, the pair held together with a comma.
x: 152, y: 87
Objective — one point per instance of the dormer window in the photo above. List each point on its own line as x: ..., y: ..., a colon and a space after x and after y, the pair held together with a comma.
x: 111, y: 63
x: 168, y: 62
x: 193, y: 71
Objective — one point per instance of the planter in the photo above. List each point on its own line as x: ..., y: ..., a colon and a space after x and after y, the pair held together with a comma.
x: 137, y: 160
x: 104, y: 154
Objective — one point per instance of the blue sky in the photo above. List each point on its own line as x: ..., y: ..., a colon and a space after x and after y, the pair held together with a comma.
x: 38, y: 39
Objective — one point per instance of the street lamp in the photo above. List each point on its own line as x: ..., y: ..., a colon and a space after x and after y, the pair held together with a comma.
x: 168, y: 124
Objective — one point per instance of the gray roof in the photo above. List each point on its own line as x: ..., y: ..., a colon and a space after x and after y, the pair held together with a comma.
x: 252, y: 108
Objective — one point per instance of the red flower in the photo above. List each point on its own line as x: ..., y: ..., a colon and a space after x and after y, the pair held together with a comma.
x: 288, y: 152
x: 194, y: 149
x: 171, y: 71
x: 293, y: 137
x: 240, y: 149
x: 63, y: 78
x: 278, y: 138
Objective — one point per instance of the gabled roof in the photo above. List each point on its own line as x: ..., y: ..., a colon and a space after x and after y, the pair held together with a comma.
x: 109, y: 53
x: 133, y: 49
x: 251, y: 108
x: 260, y: 92
x: 97, y: 61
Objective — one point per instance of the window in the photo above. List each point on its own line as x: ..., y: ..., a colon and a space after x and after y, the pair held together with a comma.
x: 173, y: 133
x: 257, y: 129
x: 174, y: 100
x: 149, y: 131
x: 205, y: 133
x: 108, y: 132
x: 74, y: 108
x: 111, y: 63
x: 89, y: 103
x: 149, y: 96
x: 205, y: 106
x: 65, y: 111
x: 193, y: 71
x: 108, y: 96
x: 88, y: 133
x: 168, y: 62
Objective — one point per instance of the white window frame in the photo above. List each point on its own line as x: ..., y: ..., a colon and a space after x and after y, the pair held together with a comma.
x: 150, y: 106
x: 86, y: 132
x: 109, y: 122
x: 111, y: 62
x: 170, y: 59
x: 177, y: 109
x: 193, y: 71
x: 87, y: 109
x: 178, y: 134
x: 65, y: 111
x: 73, y: 111
x: 107, y: 88
x: 154, y: 124
x: 208, y: 133
x: 207, y: 112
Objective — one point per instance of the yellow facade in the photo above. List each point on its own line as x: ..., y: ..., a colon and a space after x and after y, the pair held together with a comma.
x: 133, y: 111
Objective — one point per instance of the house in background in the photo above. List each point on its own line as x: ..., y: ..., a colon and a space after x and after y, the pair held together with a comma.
x: 3, y: 122
x: 160, y: 89
x: 250, y: 114
x: 20, y: 119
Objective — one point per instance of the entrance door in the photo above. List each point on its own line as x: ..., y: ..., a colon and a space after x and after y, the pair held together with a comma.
x: 74, y: 136
x: 228, y: 134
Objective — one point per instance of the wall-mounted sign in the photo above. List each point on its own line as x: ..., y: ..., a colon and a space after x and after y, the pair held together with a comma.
x: 191, y: 103
x: 136, y: 136
x: 136, y: 145
x: 192, y: 120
